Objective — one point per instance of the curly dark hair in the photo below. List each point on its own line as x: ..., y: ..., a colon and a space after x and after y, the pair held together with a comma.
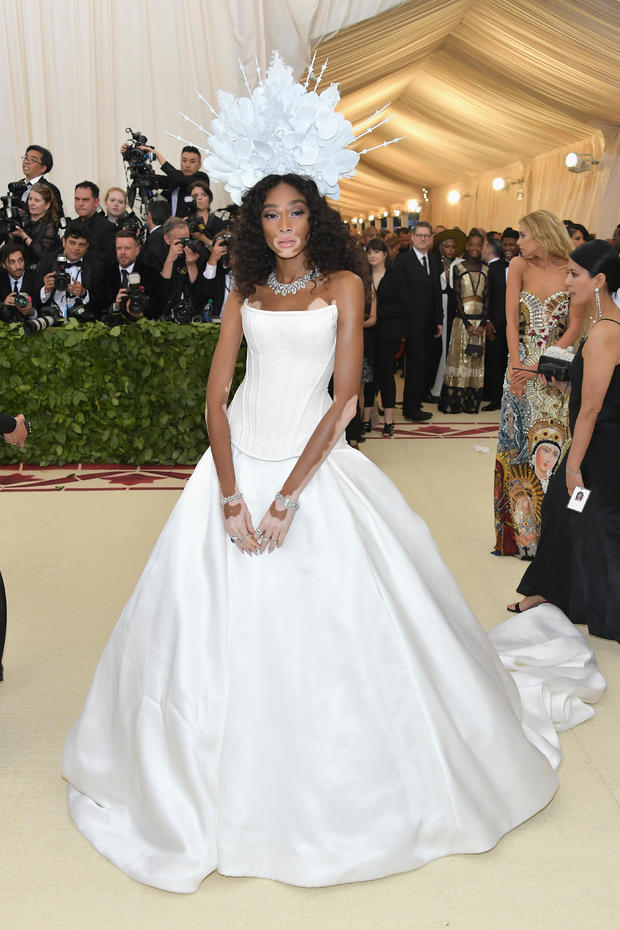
x: 330, y: 247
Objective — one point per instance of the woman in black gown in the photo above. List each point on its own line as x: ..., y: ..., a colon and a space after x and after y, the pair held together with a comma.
x: 577, y: 565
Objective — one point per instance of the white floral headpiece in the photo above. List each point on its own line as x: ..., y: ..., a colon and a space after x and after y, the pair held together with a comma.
x: 280, y: 128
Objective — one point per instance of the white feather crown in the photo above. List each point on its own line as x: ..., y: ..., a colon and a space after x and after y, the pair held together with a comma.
x: 280, y: 128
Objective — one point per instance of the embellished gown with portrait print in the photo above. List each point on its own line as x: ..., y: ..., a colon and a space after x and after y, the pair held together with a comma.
x: 533, y: 431
x: 331, y: 712
x: 463, y: 378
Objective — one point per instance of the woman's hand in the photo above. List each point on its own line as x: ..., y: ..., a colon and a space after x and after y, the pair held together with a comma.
x: 518, y: 378
x: 238, y: 526
x: 20, y: 433
x: 273, y: 527
x: 574, y: 479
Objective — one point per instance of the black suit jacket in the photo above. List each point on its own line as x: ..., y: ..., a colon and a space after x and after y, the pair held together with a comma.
x: 155, y: 250
x: 102, y: 238
x: 92, y: 279
x: 149, y: 279
x: 176, y: 178
x: 30, y: 285
x: 495, y: 305
x: 418, y: 293
x: 390, y: 319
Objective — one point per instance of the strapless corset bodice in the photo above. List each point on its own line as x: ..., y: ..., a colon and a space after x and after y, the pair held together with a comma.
x: 290, y: 360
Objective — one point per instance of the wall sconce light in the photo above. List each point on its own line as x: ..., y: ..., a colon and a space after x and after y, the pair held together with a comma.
x: 425, y: 194
x: 455, y: 196
x: 371, y: 217
x: 396, y: 212
x: 578, y: 163
x: 504, y: 184
x: 413, y: 206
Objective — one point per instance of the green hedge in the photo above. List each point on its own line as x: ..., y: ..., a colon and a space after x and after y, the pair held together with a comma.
x: 131, y: 394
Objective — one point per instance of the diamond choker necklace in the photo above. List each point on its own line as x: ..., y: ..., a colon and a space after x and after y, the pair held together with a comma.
x: 294, y: 286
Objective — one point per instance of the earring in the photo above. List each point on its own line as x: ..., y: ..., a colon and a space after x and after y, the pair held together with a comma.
x: 598, y: 304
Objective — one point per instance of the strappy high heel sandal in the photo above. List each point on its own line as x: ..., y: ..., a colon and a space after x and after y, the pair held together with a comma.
x: 388, y: 431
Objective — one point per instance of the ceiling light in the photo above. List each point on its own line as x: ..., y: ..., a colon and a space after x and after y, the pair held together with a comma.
x: 578, y: 163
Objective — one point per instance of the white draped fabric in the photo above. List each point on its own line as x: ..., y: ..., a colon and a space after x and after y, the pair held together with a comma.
x: 75, y: 73
x: 477, y: 88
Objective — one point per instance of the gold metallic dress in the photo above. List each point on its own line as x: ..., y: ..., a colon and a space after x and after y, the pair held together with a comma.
x: 533, y: 431
x: 464, y: 374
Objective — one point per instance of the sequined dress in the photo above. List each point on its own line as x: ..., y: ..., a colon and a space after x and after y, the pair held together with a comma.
x: 533, y: 431
x: 463, y: 380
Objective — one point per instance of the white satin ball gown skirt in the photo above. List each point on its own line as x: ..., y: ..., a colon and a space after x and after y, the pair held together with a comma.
x: 328, y: 713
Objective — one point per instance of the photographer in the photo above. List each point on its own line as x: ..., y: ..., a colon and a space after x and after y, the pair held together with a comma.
x: 73, y: 278
x: 176, y: 182
x: 203, y: 225
x: 182, y: 285
x: 218, y: 274
x: 41, y: 232
x: 17, y: 282
x: 100, y: 231
x: 15, y: 431
x: 36, y: 164
x: 155, y: 248
x: 120, y: 306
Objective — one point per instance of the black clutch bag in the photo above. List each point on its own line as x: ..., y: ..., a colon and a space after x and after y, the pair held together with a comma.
x: 553, y: 367
x: 474, y: 349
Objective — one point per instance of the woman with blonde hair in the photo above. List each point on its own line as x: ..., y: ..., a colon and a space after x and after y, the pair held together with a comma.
x: 537, y: 317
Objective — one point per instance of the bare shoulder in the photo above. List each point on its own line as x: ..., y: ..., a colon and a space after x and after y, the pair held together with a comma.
x: 603, y: 339
x: 517, y: 265
x: 346, y: 289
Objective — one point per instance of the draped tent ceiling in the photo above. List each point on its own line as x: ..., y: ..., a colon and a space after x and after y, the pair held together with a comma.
x: 478, y: 87
x: 475, y: 85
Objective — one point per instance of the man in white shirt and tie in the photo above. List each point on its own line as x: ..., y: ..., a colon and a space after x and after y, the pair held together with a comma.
x: 418, y: 292
x: 15, y: 280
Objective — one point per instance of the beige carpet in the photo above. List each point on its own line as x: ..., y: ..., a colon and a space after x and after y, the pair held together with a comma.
x: 70, y: 562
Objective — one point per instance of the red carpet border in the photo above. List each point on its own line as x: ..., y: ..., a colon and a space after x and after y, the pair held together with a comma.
x: 27, y: 477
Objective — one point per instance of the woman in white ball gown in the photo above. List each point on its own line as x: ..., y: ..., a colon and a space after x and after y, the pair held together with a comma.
x: 297, y: 688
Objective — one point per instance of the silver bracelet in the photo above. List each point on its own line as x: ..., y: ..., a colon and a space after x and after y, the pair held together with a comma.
x: 286, y: 502
x: 238, y: 496
x: 571, y: 472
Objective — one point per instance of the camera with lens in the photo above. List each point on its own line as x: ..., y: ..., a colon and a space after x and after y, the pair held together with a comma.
x: 51, y: 316
x: 190, y: 244
x: 127, y: 312
x: 80, y: 312
x: 182, y: 311
x: 10, y: 313
x: 131, y: 221
x: 196, y: 224
x: 12, y: 212
x: 62, y: 279
x: 133, y: 154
